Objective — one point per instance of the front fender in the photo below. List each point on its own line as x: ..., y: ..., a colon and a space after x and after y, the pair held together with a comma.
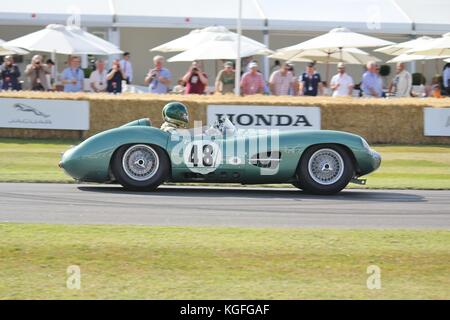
x: 90, y: 160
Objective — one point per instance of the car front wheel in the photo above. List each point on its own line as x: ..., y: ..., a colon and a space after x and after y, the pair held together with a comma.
x: 140, y: 166
x: 325, y: 169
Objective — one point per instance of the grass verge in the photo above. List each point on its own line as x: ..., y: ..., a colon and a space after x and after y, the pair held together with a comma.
x: 135, y: 262
x: 403, y: 167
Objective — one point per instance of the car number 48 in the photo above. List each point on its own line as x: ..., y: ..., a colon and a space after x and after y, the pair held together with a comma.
x: 202, y: 156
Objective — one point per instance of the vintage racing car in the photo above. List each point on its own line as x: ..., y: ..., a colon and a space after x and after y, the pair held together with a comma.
x: 141, y: 157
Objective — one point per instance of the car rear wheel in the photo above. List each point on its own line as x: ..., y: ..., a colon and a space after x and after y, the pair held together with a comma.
x: 140, y: 166
x: 324, y: 169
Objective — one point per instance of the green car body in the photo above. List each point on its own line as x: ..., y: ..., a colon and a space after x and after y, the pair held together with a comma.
x: 91, y: 161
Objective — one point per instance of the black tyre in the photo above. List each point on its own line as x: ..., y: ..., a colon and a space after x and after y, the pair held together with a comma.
x: 324, y: 169
x: 140, y: 166
x: 298, y: 184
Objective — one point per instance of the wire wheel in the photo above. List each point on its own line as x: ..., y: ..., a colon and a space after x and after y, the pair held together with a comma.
x: 326, y: 166
x: 140, y: 162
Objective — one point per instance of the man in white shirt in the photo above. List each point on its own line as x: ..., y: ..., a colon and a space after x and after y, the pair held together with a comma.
x: 341, y: 83
x: 402, y: 84
x: 98, y: 77
x: 126, y: 67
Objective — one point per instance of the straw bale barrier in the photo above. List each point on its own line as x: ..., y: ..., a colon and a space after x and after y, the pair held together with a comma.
x: 378, y: 120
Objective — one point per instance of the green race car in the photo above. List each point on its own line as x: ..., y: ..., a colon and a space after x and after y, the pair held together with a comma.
x: 141, y: 157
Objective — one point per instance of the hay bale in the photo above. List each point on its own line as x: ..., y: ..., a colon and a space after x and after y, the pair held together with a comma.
x: 378, y: 120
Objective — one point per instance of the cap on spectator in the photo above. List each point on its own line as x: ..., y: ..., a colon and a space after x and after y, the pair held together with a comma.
x: 311, y: 64
x: 228, y: 64
x: 253, y: 64
x: 341, y: 65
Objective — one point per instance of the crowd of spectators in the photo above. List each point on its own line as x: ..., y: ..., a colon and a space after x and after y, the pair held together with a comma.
x: 282, y: 81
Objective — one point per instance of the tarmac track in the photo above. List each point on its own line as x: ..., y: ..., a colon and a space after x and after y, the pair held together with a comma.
x: 213, y: 206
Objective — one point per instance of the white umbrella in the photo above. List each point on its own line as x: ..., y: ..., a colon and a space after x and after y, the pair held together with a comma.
x: 346, y: 55
x: 337, y: 39
x: 5, y: 50
x: 198, y: 37
x: 403, y: 47
x: 411, y: 57
x: 222, y: 47
x: 437, y: 47
x: 106, y: 46
x: 192, y: 39
x: 447, y: 60
x: 349, y: 56
x: 57, y: 39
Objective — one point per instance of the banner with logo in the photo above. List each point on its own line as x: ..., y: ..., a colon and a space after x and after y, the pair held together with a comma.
x: 436, y: 121
x: 267, y: 117
x: 44, y: 114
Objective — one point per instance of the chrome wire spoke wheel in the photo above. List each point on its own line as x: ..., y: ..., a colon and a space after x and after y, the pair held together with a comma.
x: 326, y: 166
x: 140, y: 162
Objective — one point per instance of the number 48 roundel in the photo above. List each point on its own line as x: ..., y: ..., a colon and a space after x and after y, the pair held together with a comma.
x: 202, y: 156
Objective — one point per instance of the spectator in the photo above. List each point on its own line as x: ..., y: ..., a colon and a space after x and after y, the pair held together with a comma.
x: 114, y: 78
x: 326, y: 89
x: 73, y: 76
x: 371, y: 85
x: 435, y: 89
x: 159, y: 77
x: 291, y: 68
x: 446, y: 78
x: 98, y: 78
x: 252, y: 81
x: 281, y: 81
x: 10, y: 74
x: 276, y: 66
x: 196, y: 80
x: 180, y: 88
x: 341, y: 83
x: 246, y: 62
x: 310, y: 83
x: 37, y: 72
x: 225, y: 80
x: 401, y: 85
x: 293, y: 91
x: 380, y: 80
x: 126, y: 67
x: 52, y: 76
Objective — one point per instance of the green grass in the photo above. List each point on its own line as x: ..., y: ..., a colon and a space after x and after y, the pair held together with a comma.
x: 32, y: 160
x: 403, y: 167
x: 221, y: 263
x: 412, y: 167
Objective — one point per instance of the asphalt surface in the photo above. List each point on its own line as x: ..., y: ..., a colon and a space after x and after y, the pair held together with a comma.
x: 212, y: 206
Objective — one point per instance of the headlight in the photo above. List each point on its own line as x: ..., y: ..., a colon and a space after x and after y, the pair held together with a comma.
x: 365, y: 144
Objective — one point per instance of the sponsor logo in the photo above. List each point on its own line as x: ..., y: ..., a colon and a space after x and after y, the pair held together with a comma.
x: 42, y: 118
x: 26, y: 108
x: 267, y: 117
x: 272, y: 120
x: 44, y: 114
